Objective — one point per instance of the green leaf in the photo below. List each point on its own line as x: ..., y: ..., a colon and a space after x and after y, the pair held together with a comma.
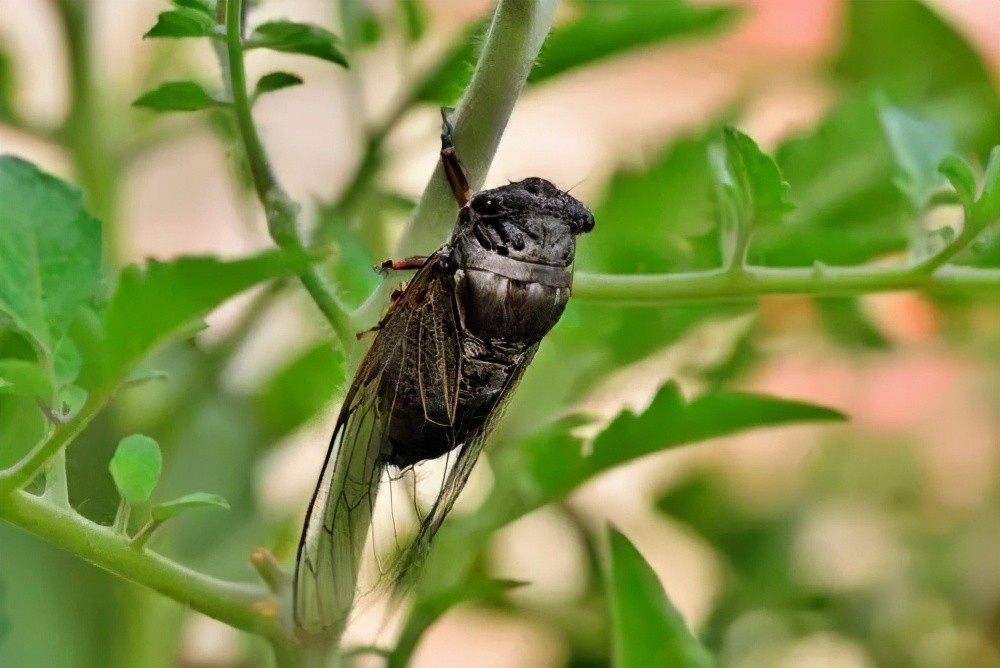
x: 67, y: 362
x: 144, y: 376
x: 25, y: 379
x: 301, y: 38
x: 273, y: 81
x: 203, y: 6
x: 184, y: 21
x: 176, y: 96
x: 611, y: 28
x: 961, y: 177
x: 163, y: 299
x: 167, y: 509
x: 299, y: 392
x: 70, y: 400
x: 428, y: 609
x: 414, y: 19
x: 987, y: 208
x: 885, y: 47
x: 135, y: 467
x: 50, y: 252
x: 918, y: 145
x: 847, y: 324
x: 761, y: 194
x: 7, y: 85
x: 22, y: 426
x: 646, y: 628
x: 657, y: 218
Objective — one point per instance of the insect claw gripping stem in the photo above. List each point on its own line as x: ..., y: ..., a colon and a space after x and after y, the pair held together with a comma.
x: 452, y: 167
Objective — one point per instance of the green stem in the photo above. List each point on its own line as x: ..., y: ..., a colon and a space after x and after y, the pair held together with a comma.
x: 280, y: 210
x: 25, y: 470
x: 511, y: 45
x: 751, y: 282
x: 122, y: 515
x: 56, y: 487
x: 243, y: 606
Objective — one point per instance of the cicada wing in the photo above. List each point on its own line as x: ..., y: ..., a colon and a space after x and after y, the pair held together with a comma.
x: 407, y: 567
x: 414, y: 360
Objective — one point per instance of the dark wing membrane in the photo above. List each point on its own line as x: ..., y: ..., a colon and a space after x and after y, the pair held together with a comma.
x: 408, y: 565
x: 415, y: 350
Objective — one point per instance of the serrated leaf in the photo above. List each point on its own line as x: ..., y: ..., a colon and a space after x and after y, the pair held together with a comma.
x: 163, y: 299
x: 646, y: 628
x: 759, y: 189
x: 299, y: 391
x: 167, y: 509
x: 302, y: 38
x: 50, y: 252
x: 607, y: 29
x: 136, y: 467
x: 184, y: 21
x: 273, y: 81
x: 176, y: 96
x: 961, y: 177
x: 918, y: 146
x: 25, y: 379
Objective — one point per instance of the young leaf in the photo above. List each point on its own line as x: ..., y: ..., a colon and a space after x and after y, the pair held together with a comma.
x: 167, y: 509
x: 301, y: 38
x: 760, y: 191
x: 25, y: 379
x: 273, y: 81
x: 987, y: 207
x: 69, y: 401
x: 183, y: 22
x: 176, y: 96
x: 646, y: 628
x: 50, y: 252
x: 135, y: 467
x: 960, y: 175
x: 918, y: 146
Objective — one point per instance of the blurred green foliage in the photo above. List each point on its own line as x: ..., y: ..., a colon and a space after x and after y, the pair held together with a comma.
x: 854, y: 189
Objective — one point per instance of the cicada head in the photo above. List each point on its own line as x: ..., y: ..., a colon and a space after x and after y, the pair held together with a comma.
x: 531, y: 220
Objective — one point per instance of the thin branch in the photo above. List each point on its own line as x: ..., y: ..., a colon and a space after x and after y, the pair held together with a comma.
x: 243, y: 606
x: 752, y: 282
x: 281, y: 211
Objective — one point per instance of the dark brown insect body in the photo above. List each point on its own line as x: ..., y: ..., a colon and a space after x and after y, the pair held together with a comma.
x: 445, y: 357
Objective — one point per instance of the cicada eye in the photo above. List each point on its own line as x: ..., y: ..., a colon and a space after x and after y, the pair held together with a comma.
x: 486, y: 205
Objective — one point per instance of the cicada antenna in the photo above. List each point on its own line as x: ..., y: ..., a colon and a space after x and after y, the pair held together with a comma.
x: 452, y: 167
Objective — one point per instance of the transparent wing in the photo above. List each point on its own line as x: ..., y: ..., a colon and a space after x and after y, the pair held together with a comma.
x: 415, y: 350
x: 408, y: 565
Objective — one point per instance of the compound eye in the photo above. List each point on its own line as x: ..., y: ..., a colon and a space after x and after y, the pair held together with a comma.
x: 486, y: 205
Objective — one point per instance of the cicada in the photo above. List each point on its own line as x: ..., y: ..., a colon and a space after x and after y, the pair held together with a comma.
x: 444, y: 360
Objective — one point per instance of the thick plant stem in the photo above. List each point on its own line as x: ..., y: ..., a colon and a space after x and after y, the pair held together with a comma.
x: 280, y: 210
x: 515, y: 36
x: 752, y: 282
